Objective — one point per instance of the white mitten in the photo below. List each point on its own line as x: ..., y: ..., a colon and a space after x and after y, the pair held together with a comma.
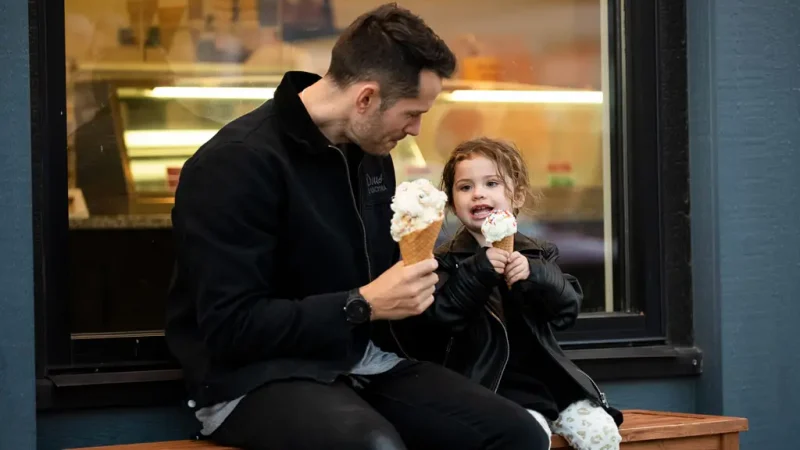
x: 586, y: 426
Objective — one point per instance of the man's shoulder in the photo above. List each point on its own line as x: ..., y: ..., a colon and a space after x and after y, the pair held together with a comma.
x: 234, y: 165
x: 253, y: 136
x: 258, y: 130
x: 224, y: 151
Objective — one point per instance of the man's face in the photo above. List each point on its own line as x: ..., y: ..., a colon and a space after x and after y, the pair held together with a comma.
x: 377, y: 131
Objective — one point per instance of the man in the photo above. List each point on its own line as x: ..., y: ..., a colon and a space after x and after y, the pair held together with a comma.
x: 287, y: 277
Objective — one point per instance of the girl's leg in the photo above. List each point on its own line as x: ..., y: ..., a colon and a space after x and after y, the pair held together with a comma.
x: 543, y: 422
x: 586, y: 426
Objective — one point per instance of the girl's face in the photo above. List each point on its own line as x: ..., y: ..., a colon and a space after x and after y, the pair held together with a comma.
x: 478, y: 189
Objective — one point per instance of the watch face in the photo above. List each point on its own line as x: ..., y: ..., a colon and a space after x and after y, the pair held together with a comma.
x: 358, y: 311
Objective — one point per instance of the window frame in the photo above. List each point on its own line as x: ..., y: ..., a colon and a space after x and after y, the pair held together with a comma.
x: 654, y: 218
x: 655, y: 240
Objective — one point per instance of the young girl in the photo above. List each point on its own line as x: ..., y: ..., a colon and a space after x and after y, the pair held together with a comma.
x: 502, y: 336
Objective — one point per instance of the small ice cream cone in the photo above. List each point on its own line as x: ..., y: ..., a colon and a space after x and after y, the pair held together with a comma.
x: 418, y: 246
x: 499, y: 229
x: 507, y: 244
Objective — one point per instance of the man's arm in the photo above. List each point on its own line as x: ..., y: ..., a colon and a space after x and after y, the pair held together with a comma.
x: 227, y: 224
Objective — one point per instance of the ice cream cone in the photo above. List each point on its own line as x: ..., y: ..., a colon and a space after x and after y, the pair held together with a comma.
x: 418, y: 215
x: 418, y: 246
x: 507, y: 244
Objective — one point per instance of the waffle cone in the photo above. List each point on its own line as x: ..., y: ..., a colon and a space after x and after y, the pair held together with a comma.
x: 418, y: 246
x: 507, y: 244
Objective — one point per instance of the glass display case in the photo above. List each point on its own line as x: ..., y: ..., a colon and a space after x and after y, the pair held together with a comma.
x: 129, y: 153
x: 135, y: 126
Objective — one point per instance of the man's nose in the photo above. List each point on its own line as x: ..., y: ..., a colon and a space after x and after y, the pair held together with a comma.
x: 414, y: 127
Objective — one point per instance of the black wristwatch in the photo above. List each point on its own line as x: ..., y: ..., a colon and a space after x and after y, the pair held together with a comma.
x: 357, y: 310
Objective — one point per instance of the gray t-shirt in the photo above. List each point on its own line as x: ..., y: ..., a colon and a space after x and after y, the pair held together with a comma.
x: 375, y: 361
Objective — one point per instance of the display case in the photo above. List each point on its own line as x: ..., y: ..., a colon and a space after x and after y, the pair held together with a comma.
x: 137, y: 129
x: 134, y: 126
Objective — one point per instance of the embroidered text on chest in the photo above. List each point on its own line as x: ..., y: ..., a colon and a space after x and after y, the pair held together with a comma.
x: 375, y: 184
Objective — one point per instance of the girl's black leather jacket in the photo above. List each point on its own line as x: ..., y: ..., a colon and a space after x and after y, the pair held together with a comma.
x: 464, y: 329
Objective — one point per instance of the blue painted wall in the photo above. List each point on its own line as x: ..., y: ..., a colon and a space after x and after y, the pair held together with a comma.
x: 745, y: 132
x: 744, y: 78
x: 17, y: 393
x: 107, y: 426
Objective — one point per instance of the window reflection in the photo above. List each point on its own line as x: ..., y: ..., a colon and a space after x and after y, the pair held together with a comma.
x: 149, y: 81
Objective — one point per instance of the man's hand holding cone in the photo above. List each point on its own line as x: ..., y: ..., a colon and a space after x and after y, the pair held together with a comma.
x: 407, y: 288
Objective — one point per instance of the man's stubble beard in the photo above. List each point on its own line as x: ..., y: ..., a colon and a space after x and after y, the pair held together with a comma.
x: 369, y: 136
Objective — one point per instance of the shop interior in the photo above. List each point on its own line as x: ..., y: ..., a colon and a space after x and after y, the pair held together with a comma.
x: 149, y: 81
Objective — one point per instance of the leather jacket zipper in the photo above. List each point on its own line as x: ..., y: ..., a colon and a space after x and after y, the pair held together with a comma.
x: 364, y: 233
x: 601, y: 394
x: 447, y: 351
x: 508, y: 349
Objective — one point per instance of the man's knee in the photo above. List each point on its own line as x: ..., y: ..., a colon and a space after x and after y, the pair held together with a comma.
x: 365, y: 436
x: 530, y: 436
x: 523, y: 431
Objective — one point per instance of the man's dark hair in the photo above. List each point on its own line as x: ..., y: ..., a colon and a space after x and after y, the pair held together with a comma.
x: 389, y: 45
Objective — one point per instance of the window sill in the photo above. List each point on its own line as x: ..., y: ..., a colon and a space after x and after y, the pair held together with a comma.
x: 165, y: 386
x: 146, y: 387
x: 635, y: 363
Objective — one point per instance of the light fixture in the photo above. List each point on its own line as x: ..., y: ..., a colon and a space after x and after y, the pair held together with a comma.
x: 460, y: 95
x: 167, y: 138
x: 240, y: 93
x: 507, y: 96
x: 199, y: 92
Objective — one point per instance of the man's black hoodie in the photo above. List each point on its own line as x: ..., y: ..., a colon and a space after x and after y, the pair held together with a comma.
x: 271, y: 234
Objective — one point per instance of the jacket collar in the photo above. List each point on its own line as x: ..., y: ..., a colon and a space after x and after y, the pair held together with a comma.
x: 295, y: 121
x: 464, y: 242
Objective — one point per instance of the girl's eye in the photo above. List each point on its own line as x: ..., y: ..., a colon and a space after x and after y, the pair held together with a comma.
x: 492, y: 184
x: 464, y: 188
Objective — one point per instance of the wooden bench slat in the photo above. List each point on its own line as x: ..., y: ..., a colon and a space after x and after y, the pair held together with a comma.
x: 642, y: 426
x: 641, y: 430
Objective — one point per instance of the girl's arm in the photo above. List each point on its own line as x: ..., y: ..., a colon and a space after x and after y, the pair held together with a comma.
x: 463, y: 289
x: 552, y: 296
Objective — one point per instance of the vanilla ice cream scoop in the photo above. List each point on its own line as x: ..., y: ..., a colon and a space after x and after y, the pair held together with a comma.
x: 499, y: 225
x: 416, y: 205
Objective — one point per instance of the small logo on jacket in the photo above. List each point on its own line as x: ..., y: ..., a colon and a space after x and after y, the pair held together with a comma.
x: 375, y: 184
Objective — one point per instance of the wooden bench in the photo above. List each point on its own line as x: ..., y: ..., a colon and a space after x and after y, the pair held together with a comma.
x: 655, y: 430
x: 642, y: 430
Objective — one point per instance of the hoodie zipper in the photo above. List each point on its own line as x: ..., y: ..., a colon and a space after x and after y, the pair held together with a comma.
x: 364, y: 232
x: 355, y: 206
x: 496, y: 384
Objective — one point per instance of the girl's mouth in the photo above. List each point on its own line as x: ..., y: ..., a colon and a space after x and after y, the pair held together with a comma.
x: 480, y: 212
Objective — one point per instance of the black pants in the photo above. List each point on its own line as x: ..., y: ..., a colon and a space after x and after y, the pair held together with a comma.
x: 416, y: 406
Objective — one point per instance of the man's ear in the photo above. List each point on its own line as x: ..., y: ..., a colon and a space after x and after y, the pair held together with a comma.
x: 368, y: 95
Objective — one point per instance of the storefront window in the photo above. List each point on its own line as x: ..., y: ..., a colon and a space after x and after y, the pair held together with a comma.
x: 149, y: 81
